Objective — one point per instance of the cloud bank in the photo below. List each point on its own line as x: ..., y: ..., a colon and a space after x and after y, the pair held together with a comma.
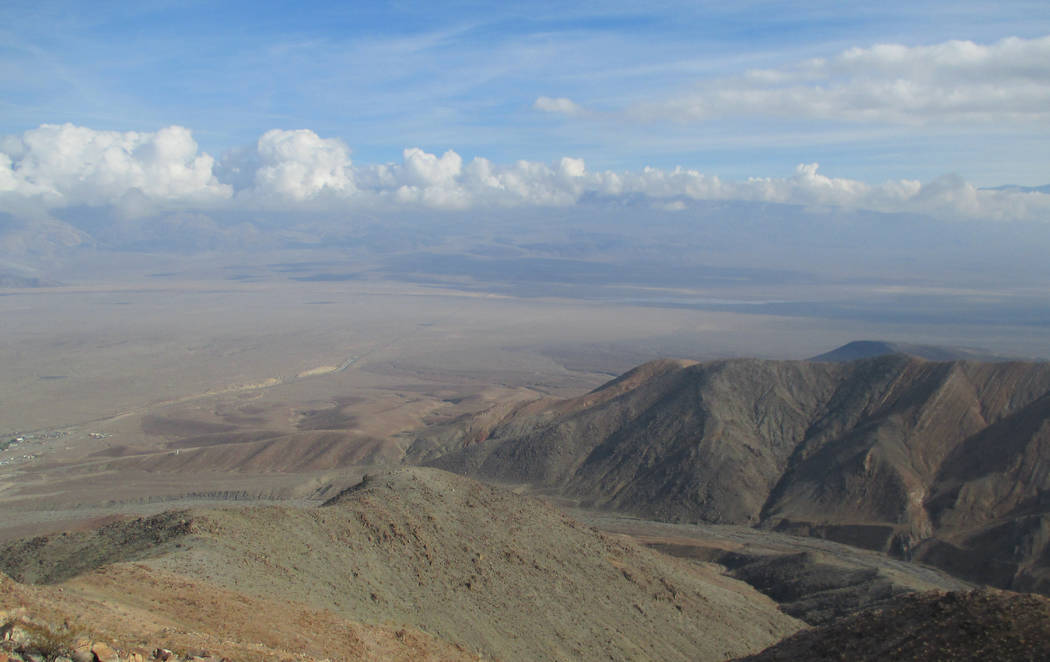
x: 954, y: 81
x: 53, y: 167
x: 71, y: 165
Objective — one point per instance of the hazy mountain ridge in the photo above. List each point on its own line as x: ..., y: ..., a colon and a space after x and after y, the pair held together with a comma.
x: 920, y: 458
x: 15, y: 281
x: 866, y: 349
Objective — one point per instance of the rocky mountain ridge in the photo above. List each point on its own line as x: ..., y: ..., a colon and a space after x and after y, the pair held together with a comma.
x: 439, y: 556
x: 938, y: 461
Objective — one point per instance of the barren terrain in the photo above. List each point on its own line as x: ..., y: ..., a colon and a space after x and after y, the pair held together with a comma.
x: 246, y: 397
x: 504, y: 575
x: 280, y: 370
x: 975, y: 626
x: 938, y: 461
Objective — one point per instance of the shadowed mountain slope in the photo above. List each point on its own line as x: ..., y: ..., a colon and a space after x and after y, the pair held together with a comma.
x: 935, y: 461
x: 977, y: 626
x: 502, y: 575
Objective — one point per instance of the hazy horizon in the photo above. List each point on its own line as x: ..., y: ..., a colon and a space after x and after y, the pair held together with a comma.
x: 878, y: 165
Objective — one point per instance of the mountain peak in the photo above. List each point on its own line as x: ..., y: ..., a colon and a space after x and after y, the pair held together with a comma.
x: 865, y: 349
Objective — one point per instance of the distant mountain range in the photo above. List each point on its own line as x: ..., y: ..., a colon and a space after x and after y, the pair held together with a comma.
x: 13, y: 281
x: 944, y: 462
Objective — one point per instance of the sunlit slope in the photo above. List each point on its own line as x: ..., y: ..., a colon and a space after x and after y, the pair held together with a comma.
x: 476, y: 566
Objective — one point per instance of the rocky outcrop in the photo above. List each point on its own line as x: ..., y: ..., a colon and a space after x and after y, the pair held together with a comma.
x: 25, y: 638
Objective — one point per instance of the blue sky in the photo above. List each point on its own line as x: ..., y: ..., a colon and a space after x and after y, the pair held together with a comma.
x: 895, y: 92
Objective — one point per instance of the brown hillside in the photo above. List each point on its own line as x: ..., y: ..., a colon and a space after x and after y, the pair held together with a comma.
x: 893, y: 453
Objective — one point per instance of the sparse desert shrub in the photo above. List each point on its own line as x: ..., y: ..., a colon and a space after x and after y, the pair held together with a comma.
x: 50, y: 642
x: 6, y: 625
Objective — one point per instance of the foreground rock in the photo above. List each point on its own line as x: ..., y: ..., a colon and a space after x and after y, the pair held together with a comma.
x: 489, y: 571
x: 28, y: 639
x: 962, y: 627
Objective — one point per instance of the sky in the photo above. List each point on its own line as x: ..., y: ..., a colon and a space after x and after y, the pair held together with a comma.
x: 148, y: 107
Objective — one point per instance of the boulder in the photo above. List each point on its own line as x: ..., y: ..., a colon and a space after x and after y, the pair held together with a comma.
x: 103, y: 653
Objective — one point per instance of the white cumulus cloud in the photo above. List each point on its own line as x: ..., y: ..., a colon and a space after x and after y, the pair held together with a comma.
x: 69, y: 165
x: 447, y: 182
x: 64, y: 166
x: 299, y: 165
x: 424, y: 179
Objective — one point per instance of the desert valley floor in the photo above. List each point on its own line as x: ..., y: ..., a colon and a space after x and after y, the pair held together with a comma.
x: 247, y: 444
